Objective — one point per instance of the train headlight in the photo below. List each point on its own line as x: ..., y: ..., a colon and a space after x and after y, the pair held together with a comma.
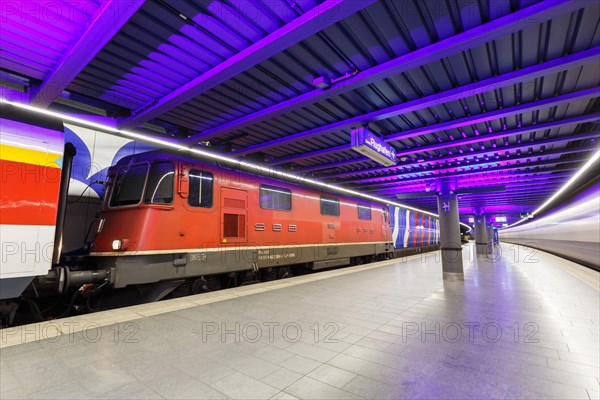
x: 117, y: 245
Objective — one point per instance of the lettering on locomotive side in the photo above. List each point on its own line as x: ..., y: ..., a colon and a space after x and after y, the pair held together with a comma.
x: 265, y: 254
x: 200, y: 257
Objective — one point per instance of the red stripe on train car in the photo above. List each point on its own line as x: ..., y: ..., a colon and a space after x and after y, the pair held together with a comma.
x: 416, y: 232
x: 29, y: 194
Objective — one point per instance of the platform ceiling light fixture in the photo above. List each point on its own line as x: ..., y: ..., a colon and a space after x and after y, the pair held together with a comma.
x: 243, y: 165
x: 568, y: 184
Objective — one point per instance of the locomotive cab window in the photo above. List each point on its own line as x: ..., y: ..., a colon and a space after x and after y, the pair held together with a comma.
x: 160, y: 183
x: 201, y: 188
x: 330, y: 206
x: 275, y: 198
x: 129, y: 185
x: 364, y: 212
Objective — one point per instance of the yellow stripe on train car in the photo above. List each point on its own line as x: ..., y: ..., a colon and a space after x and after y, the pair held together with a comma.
x: 30, y: 156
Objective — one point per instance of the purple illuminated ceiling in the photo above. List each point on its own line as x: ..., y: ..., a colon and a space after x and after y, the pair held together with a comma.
x: 497, y: 93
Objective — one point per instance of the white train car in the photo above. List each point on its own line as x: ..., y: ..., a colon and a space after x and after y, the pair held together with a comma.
x: 571, y: 232
x: 31, y: 161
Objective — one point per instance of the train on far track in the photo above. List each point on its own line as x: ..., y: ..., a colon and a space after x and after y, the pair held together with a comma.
x: 171, y: 225
x: 570, y: 231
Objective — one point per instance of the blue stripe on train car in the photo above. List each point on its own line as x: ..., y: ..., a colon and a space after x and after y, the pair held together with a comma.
x: 427, y: 235
x: 398, y: 222
x: 410, y: 228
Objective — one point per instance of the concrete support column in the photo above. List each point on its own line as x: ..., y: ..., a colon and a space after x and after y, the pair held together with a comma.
x: 452, y: 263
x: 490, y: 234
x: 481, y: 234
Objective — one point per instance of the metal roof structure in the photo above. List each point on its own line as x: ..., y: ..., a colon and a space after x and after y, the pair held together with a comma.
x: 492, y: 93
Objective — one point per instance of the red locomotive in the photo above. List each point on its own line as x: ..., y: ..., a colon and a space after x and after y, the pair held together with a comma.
x: 166, y: 218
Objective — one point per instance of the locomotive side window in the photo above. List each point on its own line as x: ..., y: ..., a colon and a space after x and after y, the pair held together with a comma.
x: 330, y: 206
x: 201, y: 188
x: 364, y: 212
x: 160, y: 183
x: 275, y: 198
x: 129, y: 185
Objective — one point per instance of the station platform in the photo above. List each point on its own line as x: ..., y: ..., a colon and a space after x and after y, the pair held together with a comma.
x: 523, y: 324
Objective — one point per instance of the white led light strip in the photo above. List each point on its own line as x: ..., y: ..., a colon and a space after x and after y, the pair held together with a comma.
x: 570, y: 182
x: 239, y: 164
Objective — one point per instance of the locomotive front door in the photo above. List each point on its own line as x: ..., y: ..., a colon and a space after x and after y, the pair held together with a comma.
x: 234, y: 215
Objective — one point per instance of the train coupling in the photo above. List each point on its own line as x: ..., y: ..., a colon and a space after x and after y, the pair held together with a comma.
x: 62, y: 278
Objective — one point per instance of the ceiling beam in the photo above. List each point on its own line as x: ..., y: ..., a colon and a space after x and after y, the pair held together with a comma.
x: 514, y: 195
x: 479, y: 35
x: 443, y: 169
x: 540, y: 142
x: 508, y: 198
x: 308, y: 24
x: 549, y: 102
x: 581, y: 119
x: 530, y: 168
x: 310, y: 154
x: 526, y: 168
x: 511, y: 189
x: 473, y: 89
x: 529, y: 176
x: 460, y: 156
x: 336, y: 164
x: 17, y: 94
x: 437, y: 146
x: 506, y: 180
x: 424, y: 199
x: 106, y: 22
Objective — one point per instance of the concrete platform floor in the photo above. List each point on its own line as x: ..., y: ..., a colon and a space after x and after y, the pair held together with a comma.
x: 523, y: 326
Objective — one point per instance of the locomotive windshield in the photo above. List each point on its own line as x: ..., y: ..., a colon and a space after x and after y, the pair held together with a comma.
x: 160, y: 183
x: 129, y: 185
x: 130, y: 181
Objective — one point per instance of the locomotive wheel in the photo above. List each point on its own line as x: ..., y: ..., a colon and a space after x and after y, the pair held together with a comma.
x: 198, y: 286
x: 284, y: 272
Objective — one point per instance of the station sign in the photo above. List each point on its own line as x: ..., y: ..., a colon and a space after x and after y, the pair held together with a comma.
x: 500, y: 219
x: 369, y: 145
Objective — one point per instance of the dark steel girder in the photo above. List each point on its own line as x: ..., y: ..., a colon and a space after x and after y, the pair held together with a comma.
x: 306, y: 25
x: 506, y: 180
x: 461, y: 156
x: 108, y: 19
x: 528, y: 168
x: 476, y: 36
x: 519, y: 176
x: 580, y: 95
x: 438, y: 146
x: 475, y: 164
x: 581, y: 119
x: 473, y: 89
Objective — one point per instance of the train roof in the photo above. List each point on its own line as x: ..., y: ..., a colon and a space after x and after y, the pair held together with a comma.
x: 154, y: 155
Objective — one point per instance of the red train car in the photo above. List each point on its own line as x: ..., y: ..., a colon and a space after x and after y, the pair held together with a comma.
x: 167, y: 218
